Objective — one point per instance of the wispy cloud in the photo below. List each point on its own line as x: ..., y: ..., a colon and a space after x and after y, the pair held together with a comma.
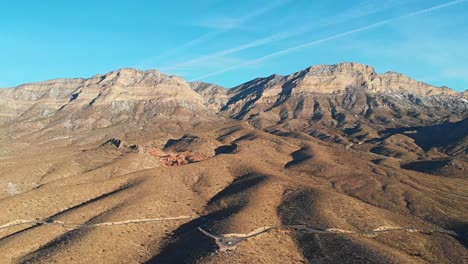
x: 219, y: 22
x: 356, y: 12
x: 333, y: 37
x: 220, y: 25
x: 223, y: 22
x: 222, y: 53
x: 422, y: 51
x: 209, y: 65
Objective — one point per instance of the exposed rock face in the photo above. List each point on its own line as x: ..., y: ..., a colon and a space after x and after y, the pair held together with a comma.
x: 331, y: 149
x: 311, y: 93
x: 176, y: 158
x: 36, y: 99
x: 103, y: 100
x: 214, y: 95
x: 352, y: 87
x: 350, y: 98
x: 344, y: 100
x: 114, y: 142
x: 120, y: 144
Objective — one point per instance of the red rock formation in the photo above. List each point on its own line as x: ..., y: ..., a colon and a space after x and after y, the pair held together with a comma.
x: 176, y: 158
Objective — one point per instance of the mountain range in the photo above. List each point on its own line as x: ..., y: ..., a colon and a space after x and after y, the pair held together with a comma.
x: 329, y: 147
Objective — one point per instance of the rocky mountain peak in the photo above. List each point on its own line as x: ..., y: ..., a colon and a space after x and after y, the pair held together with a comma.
x: 335, y: 93
x: 132, y: 92
x: 337, y: 78
x: 130, y: 76
x: 124, y: 93
x: 340, y: 68
x: 214, y: 96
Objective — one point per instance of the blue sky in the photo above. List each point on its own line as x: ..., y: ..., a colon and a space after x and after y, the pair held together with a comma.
x: 230, y: 42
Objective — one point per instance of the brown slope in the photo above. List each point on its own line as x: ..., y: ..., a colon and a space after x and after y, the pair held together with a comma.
x: 264, y: 183
x: 298, y: 170
x: 348, y: 103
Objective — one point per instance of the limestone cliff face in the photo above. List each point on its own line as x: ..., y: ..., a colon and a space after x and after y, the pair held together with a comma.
x: 214, y: 96
x: 134, y: 85
x: 36, y: 98
x: 330, y: 79
x: 116, y: 95
x: 337, y: 78
x: 397, y: 82
x: 332, y: 93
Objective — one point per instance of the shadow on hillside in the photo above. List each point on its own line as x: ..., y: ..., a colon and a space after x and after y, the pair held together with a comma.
x: 431, y: 136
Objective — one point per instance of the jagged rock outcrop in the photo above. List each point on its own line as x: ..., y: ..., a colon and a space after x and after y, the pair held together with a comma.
x: 121, y: 144
x: 170, y: 158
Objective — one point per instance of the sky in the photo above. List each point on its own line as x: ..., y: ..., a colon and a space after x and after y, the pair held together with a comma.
x: 231, y: 42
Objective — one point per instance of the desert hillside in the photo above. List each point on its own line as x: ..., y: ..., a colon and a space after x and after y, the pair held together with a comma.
x: 332, y: 164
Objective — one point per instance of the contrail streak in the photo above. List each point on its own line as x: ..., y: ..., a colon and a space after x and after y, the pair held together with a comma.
x: 352, y: 14
x: 205, y: 37
x: 340, y: 35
